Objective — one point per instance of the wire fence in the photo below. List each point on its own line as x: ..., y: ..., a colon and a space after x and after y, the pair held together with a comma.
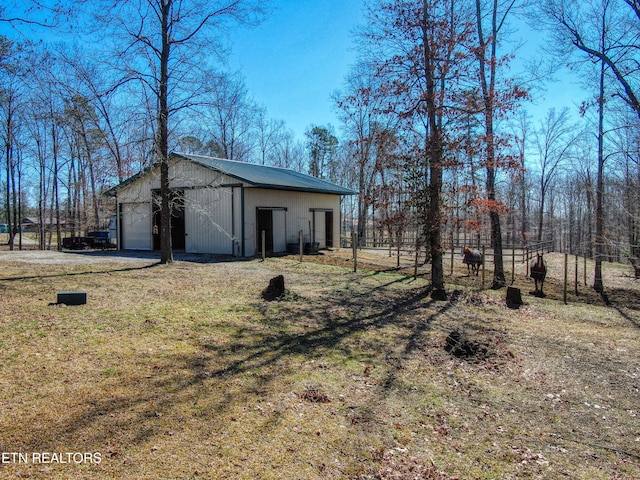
x: 570, y: 269
x: 516, y: 254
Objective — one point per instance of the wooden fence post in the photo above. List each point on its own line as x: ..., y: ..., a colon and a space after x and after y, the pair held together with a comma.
x: 264, y: 243
x: 513, y: 265
x: 354, y: 244
x: 452, y: 252
x: 301, y: 243
x: 483, y: 262
x: 566, y: 262
x: 576, y: 275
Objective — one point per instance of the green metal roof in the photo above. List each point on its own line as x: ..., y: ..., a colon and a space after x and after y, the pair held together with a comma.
x: 255, y: 175
x: 267, y: 177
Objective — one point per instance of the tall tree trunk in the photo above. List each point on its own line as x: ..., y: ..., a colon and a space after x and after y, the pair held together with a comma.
x: 543, y: 197
x: 18, y: 199
x: 362, y: 201
x: 635, y: 225
x: 8, y: 170
x: 631, y: 206
x: 434, y: 153
x: 15, y: 201
x: 162, y: 140
x: 598, y: 284
x: 523, y: 205
x: 591, y: 201
x: 92, y: 176
x: 13, y: 222
x: 499, y: 279
x: 435, y: 233
x: 56, y: 198
x: 42, y: 196
x: 488, y: 85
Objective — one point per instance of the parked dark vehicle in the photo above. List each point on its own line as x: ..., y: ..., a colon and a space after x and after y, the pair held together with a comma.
x: 92, y: 240
x: 100, y: 240
x: 75, y: 243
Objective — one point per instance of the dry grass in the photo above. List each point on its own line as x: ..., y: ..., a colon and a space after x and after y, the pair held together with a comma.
x: 184, y: 371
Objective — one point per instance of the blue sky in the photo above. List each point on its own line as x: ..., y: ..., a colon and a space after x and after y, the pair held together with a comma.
x: 297, y: 58
x: 301, y: 53
x: 292, y: 62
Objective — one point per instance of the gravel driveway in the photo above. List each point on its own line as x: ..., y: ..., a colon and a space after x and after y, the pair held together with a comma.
x: 95, y: 256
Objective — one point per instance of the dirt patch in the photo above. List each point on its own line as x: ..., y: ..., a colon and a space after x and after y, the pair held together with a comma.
x: 459, y: 344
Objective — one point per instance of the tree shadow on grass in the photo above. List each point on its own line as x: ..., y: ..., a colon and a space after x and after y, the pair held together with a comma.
x: 374, y: 309
x: 82, y: 273
x: 261, y: 352
x: 627, y: 303
x: 250, y: 363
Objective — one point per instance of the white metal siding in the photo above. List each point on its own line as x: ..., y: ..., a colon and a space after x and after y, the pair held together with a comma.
x: 208, y: 222
x: 136, y: 226
x: 207, y: 210
x: 237, y: 219
x: 182, y: 175
x: 138, y: 191
x: 279, y: 231
x: 299, y: 213
x: 320, y: 233
x: 210, y: 225
x: 185, y: 174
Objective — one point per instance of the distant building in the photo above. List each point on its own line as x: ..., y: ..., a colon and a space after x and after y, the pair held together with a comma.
x: 223, y: 206
x: 32, y: 224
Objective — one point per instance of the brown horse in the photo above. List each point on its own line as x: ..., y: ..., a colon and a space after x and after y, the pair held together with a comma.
x: 538, y: 273
x: 473, y: 260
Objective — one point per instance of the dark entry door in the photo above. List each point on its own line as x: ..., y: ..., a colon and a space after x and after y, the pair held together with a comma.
x: 177, y: 224
x: 265, y: 223
x: 328, y: 228
x: 176, y: 203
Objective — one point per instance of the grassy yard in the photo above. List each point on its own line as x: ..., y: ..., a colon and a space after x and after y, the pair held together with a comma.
x: 183, y: 371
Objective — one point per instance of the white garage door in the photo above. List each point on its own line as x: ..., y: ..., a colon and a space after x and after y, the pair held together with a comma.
x: 136, y: 226
x: 320, y: 228
x: 208, y: 220
x: 279, y: 231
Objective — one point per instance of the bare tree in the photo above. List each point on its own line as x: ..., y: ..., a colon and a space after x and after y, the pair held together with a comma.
x: 270, y: 133
x: 228, y: 114
x: 604, y: 36
x: 553, y: 139
x: 290, y: 153
x: 521, y: 139
x: 419, y: 51
x: 627, y: 142
x: 20, y: 13
x: 85, y: 78
x: 9, y: 106
x: 496, y: 98
x: 575, y: 23
x: 161, y: 43
x: 367, y: 129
